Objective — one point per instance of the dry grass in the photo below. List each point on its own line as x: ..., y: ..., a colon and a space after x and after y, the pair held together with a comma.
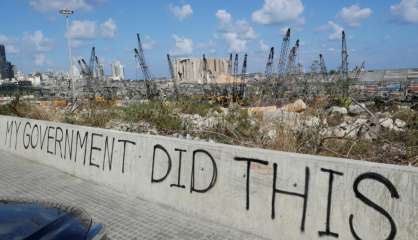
x: 239, y: 128
x: 285, y: 140
x: 26, y: 110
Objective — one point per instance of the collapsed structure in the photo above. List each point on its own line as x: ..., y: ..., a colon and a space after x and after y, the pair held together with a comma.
x: 118, y: 71
x: 201, y: 70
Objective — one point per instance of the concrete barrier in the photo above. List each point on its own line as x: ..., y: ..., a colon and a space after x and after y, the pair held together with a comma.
x: 273, y: 194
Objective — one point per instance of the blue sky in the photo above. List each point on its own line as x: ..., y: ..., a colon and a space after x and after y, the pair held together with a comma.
x: 383, y: 33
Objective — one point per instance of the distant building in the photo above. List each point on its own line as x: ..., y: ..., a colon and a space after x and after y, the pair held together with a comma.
x: 388, y: 76
x: 118, y: 71
x: 35, y: 79
x: 2, y: 54
x: 6, y: 68
x: 75, y: 72
x: 20, y: 76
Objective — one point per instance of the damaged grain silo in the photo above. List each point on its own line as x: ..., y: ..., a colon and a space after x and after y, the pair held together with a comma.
x: 202, y: 70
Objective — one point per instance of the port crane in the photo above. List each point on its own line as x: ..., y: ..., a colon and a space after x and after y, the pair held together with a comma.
x: 140, y: 57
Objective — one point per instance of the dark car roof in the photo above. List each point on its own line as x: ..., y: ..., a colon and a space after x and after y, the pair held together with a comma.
x: 26, y: 219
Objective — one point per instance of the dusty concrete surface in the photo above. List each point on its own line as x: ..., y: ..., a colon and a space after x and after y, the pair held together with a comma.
x: 125, y: 217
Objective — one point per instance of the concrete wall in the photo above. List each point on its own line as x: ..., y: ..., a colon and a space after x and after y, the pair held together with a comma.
x: 190, y: 70
x: 273, y: 194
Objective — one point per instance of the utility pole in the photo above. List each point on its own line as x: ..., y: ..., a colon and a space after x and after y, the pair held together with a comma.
x: 67, y: 13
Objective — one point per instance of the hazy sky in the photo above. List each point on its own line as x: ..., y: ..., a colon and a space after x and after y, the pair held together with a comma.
x: 384, y: 33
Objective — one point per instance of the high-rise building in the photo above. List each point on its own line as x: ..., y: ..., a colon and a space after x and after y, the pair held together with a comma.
x: 2, y: 54
x: 6, y: 68
x: 118, y: 71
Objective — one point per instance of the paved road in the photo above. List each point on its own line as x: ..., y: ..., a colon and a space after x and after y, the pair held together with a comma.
x: 125, y: 217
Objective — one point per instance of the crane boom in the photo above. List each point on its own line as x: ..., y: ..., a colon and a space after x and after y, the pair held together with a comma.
x: 323, y: 67
x: 139, y: 55
x: 173, y: 76
x: 282, y: 61
x: 170, y: 66
x: 234, y: 86
x: 290, y: 68
x: 243, y: 76
x: 230, y: 64
x: 144, y: 66
x: 93, y: 62
x: 269, y: 65
x: 344, y: 56
x: 284, y: 54
x: 205, y: 70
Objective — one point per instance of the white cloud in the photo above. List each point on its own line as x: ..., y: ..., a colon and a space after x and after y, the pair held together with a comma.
x: 263, y: 46
x: 148, y: 43
x: 82, y: 29
x: 12, y: 49
x: 108, y: 28
x: 335, y: 29
x: 41, y: 60
x: 55, y: 5
x: 183, y: 46
x: 206, y: 46
x: 245, y: 30
x: 406, y: 11
x: 223, y: 16
x: 9, y: 44
x: 279, y: 11
x: 75, y: 43
x: 33, y: 44
x: 235, y: 43
x: 181, y: 12
x: 37, y: 44
x: 353, y: 15
x: 4, y: 39
x: 38, y: 41
x: 89, y: 29
x: 236, y: 34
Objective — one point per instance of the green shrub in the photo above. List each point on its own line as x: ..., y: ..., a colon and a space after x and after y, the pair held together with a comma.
x: 196, y: 106
x: 6, y: 110
x: 342, y: 101
x: 236, y: 127
x: 159, y: 114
